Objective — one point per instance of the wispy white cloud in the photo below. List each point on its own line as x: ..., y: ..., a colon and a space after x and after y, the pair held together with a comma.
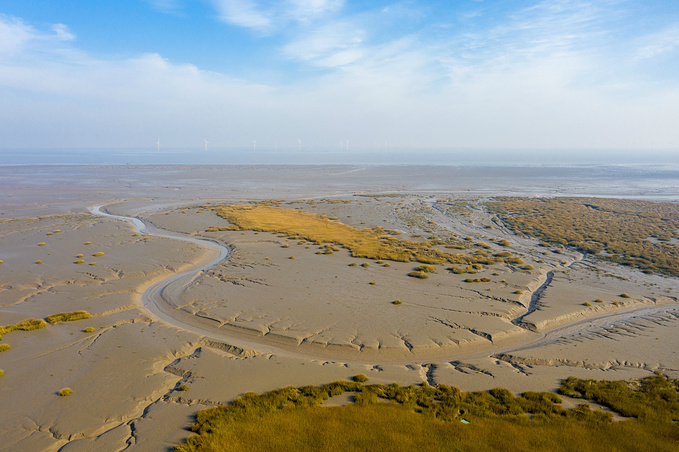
x: 659, y: 43
x: 306, y: 10
x: 245, y: 13
x: 545, y: 76
x: 16, y: 36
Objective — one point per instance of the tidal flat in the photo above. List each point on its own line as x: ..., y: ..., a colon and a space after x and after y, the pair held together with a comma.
x: 207, y: 304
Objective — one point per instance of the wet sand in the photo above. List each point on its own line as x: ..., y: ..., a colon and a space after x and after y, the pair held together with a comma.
x: 258, y: 320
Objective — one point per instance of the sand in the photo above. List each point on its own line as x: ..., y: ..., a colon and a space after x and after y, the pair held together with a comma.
x: 259, y: 320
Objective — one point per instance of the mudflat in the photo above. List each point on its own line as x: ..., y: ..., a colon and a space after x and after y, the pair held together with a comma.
x: 176, y: 326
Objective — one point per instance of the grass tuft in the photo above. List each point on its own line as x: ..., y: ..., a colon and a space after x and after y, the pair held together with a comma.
x: 67, y: 316
x: 65, y: 392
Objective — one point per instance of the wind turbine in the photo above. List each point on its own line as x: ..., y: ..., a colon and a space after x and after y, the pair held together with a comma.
x: 347, y: 145
x: 299, y: 144
x: 206, y: 142
x: 254, y: 145
x: 158, y: 143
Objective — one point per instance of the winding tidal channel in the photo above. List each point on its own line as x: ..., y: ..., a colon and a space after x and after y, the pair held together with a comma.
x: 156, y: 302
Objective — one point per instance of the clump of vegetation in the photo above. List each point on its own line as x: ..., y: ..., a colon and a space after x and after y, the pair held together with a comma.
x: 476, y: 280
x: 598, y: 300
x: 387, y: 265
x: 397, y: 301
x: 587, y: 304
x: 67, y: 316
x: 88, y: 243
x: 418, y: 274
x: 291, y: 257
x: 182, y: 387
x: 38, y: 262
x: 365, y: 264
x: 654, y: 398
x: 79, y: 256
x: 65, y: 392
x: 292, y: 418
x: 372, y: 283
x: 518, y: 292
x: 2, y: 372
x: 89, y: 329
x: 42, y: 244
x: 425, y: 268
x: 527, y: 267
x: 4, y: 347
x: 624, y: 295
x: 26, y: 325
x: 360, y: 378
x: 372, y: 243
x: 79, y: 261
x: 99, y: 253
x: 504, y: 242
x: 353, y: 264
x: 591, y: 225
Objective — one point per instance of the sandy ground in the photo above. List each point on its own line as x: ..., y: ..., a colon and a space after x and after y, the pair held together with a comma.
x: 260, y: 320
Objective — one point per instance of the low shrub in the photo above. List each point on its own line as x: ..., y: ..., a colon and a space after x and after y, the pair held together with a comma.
x: 65, y: 392
x: 624, y: 295
x: 396, y: 302
x: 360, y: 378
x: 89, y: 329
x: 418, y: 274
x: 67, y: 316
x: 425, y: 268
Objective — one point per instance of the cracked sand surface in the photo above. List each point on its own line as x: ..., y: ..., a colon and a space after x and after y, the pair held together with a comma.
x: 126, y: 374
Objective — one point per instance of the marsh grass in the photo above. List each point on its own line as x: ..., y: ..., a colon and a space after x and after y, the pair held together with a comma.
x: 26, y: 325
x: 67, y: 316
x: 592, y: 225
x: 425, y: 268
x: 372, y: 243
x: 65, y: 392
x: 418, y: 274
x: 98, y: 254
x: 428, y: 418
x: 89, y: 329
x: 4, y: 347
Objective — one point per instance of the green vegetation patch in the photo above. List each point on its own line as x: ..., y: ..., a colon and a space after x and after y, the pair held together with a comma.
x: 26, y: 325
x: 67, y: 316
x: 629, y: 232
x: 395, y: 417
x: 65, y: 392
x: 373, y: 243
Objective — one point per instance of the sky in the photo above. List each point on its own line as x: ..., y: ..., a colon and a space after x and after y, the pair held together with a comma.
x: 318, y: 75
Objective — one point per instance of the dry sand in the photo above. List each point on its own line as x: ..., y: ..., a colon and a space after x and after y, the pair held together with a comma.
x: 260, y: 320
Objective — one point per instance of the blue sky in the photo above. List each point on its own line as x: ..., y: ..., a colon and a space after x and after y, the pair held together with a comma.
x: 538, y: 75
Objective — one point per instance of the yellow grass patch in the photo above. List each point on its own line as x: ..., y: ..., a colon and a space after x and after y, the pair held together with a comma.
x: 373, y: 243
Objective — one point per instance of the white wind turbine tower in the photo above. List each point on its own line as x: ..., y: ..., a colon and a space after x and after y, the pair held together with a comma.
x: 254, y: 145
x: 299, y: 144
x: 158, y: 144
x: 206, y: 142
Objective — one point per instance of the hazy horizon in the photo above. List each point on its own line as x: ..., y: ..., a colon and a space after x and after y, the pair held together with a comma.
x: 245, y: 156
